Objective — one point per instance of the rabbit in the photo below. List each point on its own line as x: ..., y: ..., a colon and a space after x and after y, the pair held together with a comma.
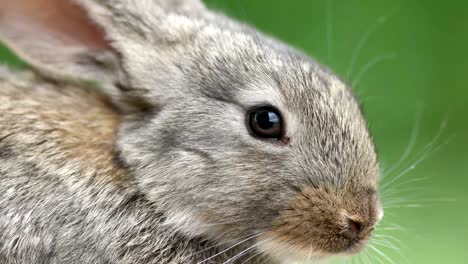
x: 158, y: 131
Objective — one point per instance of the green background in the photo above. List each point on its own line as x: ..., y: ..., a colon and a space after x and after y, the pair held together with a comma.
x: 408, y: 61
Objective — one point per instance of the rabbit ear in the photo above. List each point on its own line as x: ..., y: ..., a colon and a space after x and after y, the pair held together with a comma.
x: 128, y: 46
x: 57, y: 38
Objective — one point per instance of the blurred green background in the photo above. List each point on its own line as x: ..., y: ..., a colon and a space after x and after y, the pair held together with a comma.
x: 408, y: 63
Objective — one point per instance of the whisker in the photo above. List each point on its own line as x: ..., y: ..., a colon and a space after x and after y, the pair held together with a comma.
x: 385, y: 244
x: 266, y: 259
x: 360, y: 258
x: 366, y: 257
x: 390, y: 245
x: 393, y: 227
x: 411, y: 143
x: 239, y: 243
x: 413, y: 205
x: 387, y: 237
x: 309, y: 255
x: 370, y: 65
x: 402, y: 197
x: 428, y: 151
x: 367, y: 34
x: 228, y: 222
x: 396, y: 190
x: 403, y: 194
x: 251, y: 257
x: 247, y: 250
x: 424, y: 200
x: 381, y: 253
x: 219, y: 244
x: 378, y: 258
x: 274, y: 249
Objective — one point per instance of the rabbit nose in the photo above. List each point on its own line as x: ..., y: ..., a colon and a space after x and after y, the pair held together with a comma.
x: 352, y: 229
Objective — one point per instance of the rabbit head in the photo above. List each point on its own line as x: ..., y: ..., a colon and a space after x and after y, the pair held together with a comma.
x: 230, y: 133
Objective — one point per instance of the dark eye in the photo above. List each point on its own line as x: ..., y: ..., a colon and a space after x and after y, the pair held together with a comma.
x: 265, y: 122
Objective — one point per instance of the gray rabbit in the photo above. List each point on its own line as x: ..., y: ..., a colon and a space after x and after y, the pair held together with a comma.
x: 162, y: 132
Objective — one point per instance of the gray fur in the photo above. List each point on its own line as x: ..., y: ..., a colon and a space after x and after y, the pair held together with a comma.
x: 185, y: 159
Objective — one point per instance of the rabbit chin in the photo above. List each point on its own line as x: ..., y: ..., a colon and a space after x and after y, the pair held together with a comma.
x: 290, y: 254
x: 293, y: 254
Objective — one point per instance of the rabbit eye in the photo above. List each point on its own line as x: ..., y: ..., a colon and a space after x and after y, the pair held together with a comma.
x: 265, y: 122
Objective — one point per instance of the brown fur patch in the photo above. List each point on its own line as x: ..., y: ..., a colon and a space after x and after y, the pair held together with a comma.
x: 57, y: 125
x: 316, y: 217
